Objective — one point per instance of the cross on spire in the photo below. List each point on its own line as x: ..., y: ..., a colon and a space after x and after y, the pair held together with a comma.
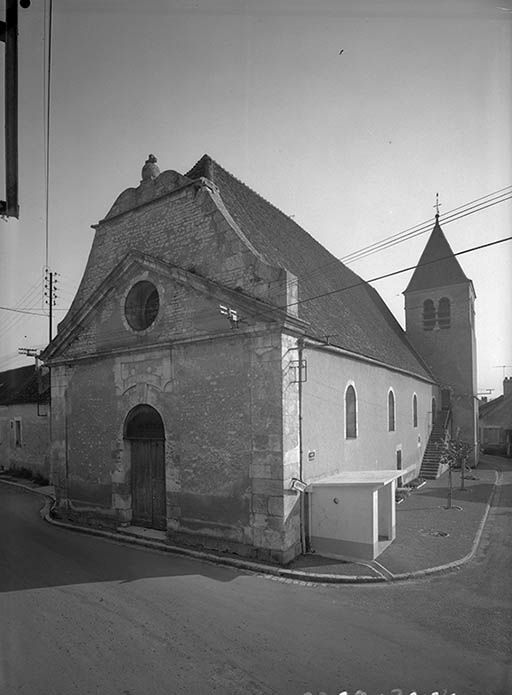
x: 437, y: 206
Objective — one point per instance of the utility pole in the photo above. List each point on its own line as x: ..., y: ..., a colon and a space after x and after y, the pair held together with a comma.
x: 9, y: 35
x: 50, y: 293
x: 42, y: 404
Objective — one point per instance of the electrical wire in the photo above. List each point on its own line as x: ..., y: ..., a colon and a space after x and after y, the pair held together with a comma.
x: 47, y: 133
x: 121, y: 333
x: 410, y: 232
x: 396, y: 272
x: 23, y: 311
x: 423, y: 227
x: 359, y: 283
x: 114, y: 334
x: 423, y: 231
x: 31, y: 298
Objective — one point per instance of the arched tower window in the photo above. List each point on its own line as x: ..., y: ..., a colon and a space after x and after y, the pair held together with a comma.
x: 443, y: 313
x: 391, y: 411
x: 415, y: 410
x: 429, y: 315
x: 350, y: 413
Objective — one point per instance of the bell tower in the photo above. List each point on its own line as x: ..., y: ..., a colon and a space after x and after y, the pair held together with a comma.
x: 440, y: 323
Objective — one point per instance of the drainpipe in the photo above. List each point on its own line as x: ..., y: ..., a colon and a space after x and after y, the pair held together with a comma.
x: 300, y: 346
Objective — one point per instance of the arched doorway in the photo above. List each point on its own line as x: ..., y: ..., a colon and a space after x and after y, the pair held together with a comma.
x: 145, y: 431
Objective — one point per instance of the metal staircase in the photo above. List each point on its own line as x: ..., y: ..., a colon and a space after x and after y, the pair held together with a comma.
x: 431, y: 464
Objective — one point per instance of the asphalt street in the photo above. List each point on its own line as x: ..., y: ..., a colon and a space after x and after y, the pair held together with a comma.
x: 83, y: 615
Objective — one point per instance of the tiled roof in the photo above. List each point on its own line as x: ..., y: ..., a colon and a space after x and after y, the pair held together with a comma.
x: 437, y: 266
x: 21, y: 385
x: 355, y: 319
x: 498, y: 411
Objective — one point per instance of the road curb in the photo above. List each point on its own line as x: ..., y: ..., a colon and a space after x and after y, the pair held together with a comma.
x: 455, y: 564
x: 259, y: 568
x: 236, y: 563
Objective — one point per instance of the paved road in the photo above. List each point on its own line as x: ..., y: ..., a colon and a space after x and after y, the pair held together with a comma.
x: 81, y: 615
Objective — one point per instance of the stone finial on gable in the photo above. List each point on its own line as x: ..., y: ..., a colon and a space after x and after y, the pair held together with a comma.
x: 150, y: 169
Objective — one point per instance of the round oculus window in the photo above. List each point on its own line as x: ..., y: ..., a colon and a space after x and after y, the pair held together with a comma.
x: 141, y: 306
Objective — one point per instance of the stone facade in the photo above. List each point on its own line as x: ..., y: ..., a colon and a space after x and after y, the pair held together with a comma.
x: 229, y: 413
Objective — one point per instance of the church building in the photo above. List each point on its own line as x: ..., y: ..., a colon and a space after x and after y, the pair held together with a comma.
x: 222, y: 378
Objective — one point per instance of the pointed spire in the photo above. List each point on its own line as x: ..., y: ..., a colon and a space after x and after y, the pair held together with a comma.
x: 437, y: 266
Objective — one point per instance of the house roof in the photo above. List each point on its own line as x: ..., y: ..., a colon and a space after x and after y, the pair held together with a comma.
x: 437, y: 266
x: 497, y: 412
x: 21, y: 385
x: 338, y: 305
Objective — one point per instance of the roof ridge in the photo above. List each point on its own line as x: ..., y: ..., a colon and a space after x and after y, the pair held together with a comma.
x: 274, y: 232
x: 335, y: 259
x: 268, y: 202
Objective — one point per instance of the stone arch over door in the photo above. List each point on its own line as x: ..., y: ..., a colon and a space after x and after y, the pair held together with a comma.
x: 145, y: 435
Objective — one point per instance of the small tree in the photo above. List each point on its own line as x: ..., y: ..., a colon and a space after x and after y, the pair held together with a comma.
x: 455, y: 453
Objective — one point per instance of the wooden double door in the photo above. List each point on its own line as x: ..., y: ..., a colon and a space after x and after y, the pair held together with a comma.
x: 145, y: 431
x: 148, y: 483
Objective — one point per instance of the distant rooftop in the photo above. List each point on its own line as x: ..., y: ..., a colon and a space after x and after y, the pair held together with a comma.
x: 22, y: 385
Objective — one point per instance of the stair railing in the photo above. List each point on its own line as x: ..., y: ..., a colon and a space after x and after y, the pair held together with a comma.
x: 447, y: 423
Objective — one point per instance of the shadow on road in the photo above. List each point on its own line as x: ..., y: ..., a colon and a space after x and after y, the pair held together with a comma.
x: 35, y: 554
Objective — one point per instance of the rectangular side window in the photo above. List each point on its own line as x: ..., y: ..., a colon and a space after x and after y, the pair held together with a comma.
x: 17, y: 432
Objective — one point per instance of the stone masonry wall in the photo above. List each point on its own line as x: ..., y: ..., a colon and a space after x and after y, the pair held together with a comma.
x: 34, y: 449
x: 191, y: 230
x: 229, y: 430
x: 221, y: 408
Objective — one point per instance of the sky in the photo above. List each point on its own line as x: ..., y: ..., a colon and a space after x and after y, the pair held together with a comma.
x: 354, y: 145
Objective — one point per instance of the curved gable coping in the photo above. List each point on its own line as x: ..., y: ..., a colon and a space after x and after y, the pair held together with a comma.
x: 72, y: 322
x: 167, y: 183
x: 205, y: 186
x: 134, y: 199
x: 131, y: 198
x: 318, y: 345
x: 217, y: 198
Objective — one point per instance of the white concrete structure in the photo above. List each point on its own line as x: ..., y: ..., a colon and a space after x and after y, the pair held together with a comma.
x: 352, y: 514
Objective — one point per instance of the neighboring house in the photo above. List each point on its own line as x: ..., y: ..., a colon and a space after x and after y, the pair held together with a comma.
x: 24, y: 420
x: 496, y: 422
x: 222, y: 377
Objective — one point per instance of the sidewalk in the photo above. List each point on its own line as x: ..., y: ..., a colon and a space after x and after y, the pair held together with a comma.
x: 429, y: 537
